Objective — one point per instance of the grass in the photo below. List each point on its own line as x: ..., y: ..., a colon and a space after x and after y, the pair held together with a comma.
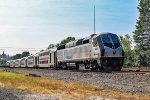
x: 68, y: 89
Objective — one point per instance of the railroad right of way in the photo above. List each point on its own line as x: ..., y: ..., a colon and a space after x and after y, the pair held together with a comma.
x: 123, y: 81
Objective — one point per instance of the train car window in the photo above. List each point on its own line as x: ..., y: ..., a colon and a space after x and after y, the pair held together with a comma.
x: 61, y: 47
x: 79, y: 42
x: 106, y: 40
x: 115, y: 41
x: 44, y: 54
x: 95, y: 42
x: 30, y: 57
x: 44, y: 62
x: 85, y: 41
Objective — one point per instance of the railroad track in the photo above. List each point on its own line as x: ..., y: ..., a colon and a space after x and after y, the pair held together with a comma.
x: 124, y: 70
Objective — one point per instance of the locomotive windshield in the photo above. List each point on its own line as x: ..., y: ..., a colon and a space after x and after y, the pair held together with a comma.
x: 110, y: 40
x: 106, y: 40
x: 115, y: 40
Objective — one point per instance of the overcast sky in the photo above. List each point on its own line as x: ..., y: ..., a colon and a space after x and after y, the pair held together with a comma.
x: 37, y: 23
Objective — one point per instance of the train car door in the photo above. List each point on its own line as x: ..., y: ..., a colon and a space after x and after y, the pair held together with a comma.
x: 55, y: 59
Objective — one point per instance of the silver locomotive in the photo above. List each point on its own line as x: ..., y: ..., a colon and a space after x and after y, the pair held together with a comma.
x: 103, y: 52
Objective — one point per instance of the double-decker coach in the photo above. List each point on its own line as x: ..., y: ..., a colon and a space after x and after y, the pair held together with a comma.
x: 31, y: 61
x: 17, y: 63
x: 12, y: 63
x: 46, y: 58
x: 23, y: 62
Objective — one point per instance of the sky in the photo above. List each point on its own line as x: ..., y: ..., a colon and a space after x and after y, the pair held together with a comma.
x: 35, y: 24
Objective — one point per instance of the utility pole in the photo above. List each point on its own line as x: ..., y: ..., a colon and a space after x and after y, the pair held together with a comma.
x: 94, y: 19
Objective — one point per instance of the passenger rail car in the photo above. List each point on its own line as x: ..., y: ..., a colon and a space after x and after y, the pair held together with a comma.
x: 31, y: 61
x: 17, y: 63
x: 23, y: 62
x: 45, y: 59
x: 12, y: 63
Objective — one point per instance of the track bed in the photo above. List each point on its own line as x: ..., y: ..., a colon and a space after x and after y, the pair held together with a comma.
x: 137, y: 82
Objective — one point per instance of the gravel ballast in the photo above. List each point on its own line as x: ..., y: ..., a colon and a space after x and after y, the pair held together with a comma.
x: 11, y: 94
x: 8, y: 94
x: 138, y: 82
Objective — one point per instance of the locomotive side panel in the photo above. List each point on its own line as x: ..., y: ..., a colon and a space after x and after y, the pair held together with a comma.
x: 75, y: 54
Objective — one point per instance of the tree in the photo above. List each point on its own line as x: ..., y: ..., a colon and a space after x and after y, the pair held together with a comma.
x: 142, y: 33
x: 51, y: 46
x: 17, y: 56
x: 2, y: 62
x: 25, y: 54
x: 67, y: 40
x: 3, y: 55
x: 40, y: 51
x: 58, y: 44
x: 130, y: 59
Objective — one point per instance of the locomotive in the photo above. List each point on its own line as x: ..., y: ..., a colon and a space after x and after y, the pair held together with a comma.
x: 102, y: 52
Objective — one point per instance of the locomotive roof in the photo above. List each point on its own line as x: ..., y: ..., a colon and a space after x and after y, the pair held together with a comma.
x: 51, y: 50
x: 107, y: 33
x: 75, y: 43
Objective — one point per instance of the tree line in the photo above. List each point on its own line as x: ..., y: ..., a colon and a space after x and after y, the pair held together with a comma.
x: 19, y: 56
x: 140, y: 54
x: 64, y: 41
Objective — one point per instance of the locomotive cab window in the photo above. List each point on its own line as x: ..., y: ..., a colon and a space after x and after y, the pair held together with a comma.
x: 115, y: 41
x: 95, y: 42
x: 85, y: 41
x: 106, y: 40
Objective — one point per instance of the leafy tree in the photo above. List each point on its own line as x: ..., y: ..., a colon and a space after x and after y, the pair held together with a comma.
x: 51, y: 46
x: 142, y: 33
x: 40, y: 51
x: 17, y: 56
x: 67, y: 40
x: 130, y: 59
x: 2, y: 62
x: 58, y: 44
x: 25, y: 54
x: 3, y: 55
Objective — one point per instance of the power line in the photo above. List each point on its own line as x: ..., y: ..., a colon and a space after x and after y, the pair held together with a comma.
x: 17, y: 48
